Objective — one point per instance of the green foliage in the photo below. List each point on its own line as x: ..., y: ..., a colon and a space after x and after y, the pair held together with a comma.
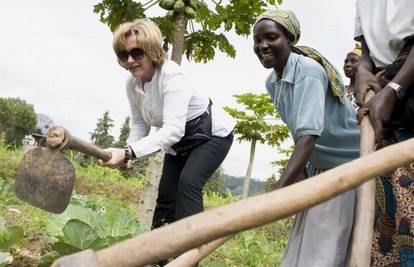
x: 9, y: 162
x: 140, y: 166
x: 115, y: 12
x: 259, y: 247
x: 216, y: 185
x: 123, y: 136
x: 10, y: 236
x: 211, y: 18
x: 253, y: 124
x: 213, y: 199
x: 270, y: 182
x: 102, y: 218
x: 201, y: 45
x: 101, y: 135
x: 89, y: 223
x: 282, y: 163
x: 285, y: 152
x: 17, y: 119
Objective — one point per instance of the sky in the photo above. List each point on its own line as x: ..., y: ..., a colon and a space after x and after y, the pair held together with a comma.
x: 58, y: 56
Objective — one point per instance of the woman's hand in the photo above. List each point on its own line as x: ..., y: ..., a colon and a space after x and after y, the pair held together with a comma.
x: 379, y: 109
x: 294, y: 171
x: 117, y: 159
x: 364, y: 80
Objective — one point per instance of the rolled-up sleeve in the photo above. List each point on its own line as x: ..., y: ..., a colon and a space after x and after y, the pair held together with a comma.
x: 309, y: 100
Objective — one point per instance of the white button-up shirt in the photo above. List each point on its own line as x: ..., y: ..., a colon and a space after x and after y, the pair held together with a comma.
x: 384, y: 24
x: 167, y: 102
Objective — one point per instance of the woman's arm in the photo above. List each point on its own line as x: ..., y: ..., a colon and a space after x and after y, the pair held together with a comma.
x: 364, y: 77
x: 381, y: 106
x: 297, y: 162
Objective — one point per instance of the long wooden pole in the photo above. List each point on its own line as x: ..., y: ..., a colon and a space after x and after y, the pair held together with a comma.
x: 183, y: 235
x: 191, y: 257
x: 365, y: 208
x: 363, y: 222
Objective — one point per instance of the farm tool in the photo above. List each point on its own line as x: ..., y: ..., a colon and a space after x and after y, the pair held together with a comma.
x: 183, y: 235
x: 363, y: 222
x: 45, y: 177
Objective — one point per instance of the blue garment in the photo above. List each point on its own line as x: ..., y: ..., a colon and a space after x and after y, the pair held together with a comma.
x: 308, y: 107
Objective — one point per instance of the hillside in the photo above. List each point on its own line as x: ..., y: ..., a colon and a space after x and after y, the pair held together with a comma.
x: 235, y: 185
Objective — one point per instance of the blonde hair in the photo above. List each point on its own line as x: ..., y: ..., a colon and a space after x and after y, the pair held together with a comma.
x: 147, y: 35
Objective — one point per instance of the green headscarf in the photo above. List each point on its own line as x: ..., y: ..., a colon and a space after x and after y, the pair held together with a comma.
x: 288, y: 20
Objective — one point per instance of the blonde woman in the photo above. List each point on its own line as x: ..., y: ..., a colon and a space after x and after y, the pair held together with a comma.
x: 195, y: 135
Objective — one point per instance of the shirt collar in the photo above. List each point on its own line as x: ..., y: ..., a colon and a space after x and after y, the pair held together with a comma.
x: 140, y: 88
x: 289, y: 71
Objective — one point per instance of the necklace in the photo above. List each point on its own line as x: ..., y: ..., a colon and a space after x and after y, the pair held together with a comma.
x: 278, y: 90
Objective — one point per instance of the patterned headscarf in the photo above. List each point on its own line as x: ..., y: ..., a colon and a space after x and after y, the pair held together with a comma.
x: 288, y: 20
x: 357, y: 50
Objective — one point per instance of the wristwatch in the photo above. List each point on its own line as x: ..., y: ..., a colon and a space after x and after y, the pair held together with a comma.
x: 399, y: 90
x: 128, y: 154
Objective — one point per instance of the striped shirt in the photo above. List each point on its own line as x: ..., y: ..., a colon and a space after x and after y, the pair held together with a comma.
x: 167, y: 102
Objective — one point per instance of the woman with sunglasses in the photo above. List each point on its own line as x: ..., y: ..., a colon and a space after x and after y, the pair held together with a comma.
x: 195, y: 135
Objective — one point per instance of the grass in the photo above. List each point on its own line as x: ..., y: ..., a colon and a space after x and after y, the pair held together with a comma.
x: 102, y: 187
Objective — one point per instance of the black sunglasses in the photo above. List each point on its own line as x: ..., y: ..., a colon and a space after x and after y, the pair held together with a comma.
x: 136, y: 53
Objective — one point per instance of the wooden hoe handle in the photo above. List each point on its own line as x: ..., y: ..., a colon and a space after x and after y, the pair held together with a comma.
x: 365, y: 208
x: 183, y: 235
x: 60, y: 138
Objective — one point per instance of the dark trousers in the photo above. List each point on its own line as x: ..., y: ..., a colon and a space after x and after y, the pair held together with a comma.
x: 180, y: 193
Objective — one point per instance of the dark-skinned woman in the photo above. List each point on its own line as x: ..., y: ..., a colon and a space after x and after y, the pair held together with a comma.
x: 350, y: 68
x: 310, y: 97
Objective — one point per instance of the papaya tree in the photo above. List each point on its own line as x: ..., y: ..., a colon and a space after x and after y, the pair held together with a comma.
x: 198, y: 39
x: 191, y: 27
x: 257, y: 123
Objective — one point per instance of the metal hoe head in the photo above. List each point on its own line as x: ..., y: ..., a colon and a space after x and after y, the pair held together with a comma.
x: 45, y: 179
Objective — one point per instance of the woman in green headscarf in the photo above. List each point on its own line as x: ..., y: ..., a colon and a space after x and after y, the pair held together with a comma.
x: 309, y: 95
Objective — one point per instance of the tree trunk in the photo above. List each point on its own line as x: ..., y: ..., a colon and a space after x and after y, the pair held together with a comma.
x: 148, y: 197
x: 246, y: 182
x: 179, y: 32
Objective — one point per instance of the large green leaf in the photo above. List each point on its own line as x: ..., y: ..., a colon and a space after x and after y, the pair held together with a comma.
x: 48, y: 259
x: 11, y: 236
x: 62, y: 248
x: 79, y: 234
x: 116, y: 223
x: 55, y: 222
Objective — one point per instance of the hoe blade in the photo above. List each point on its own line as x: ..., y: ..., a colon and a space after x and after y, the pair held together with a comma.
x: 45, y: 179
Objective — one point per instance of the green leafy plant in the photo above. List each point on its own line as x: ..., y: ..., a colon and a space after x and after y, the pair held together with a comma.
x: 10, y: 236
x: 80, y: 227
x: 259, y: 122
